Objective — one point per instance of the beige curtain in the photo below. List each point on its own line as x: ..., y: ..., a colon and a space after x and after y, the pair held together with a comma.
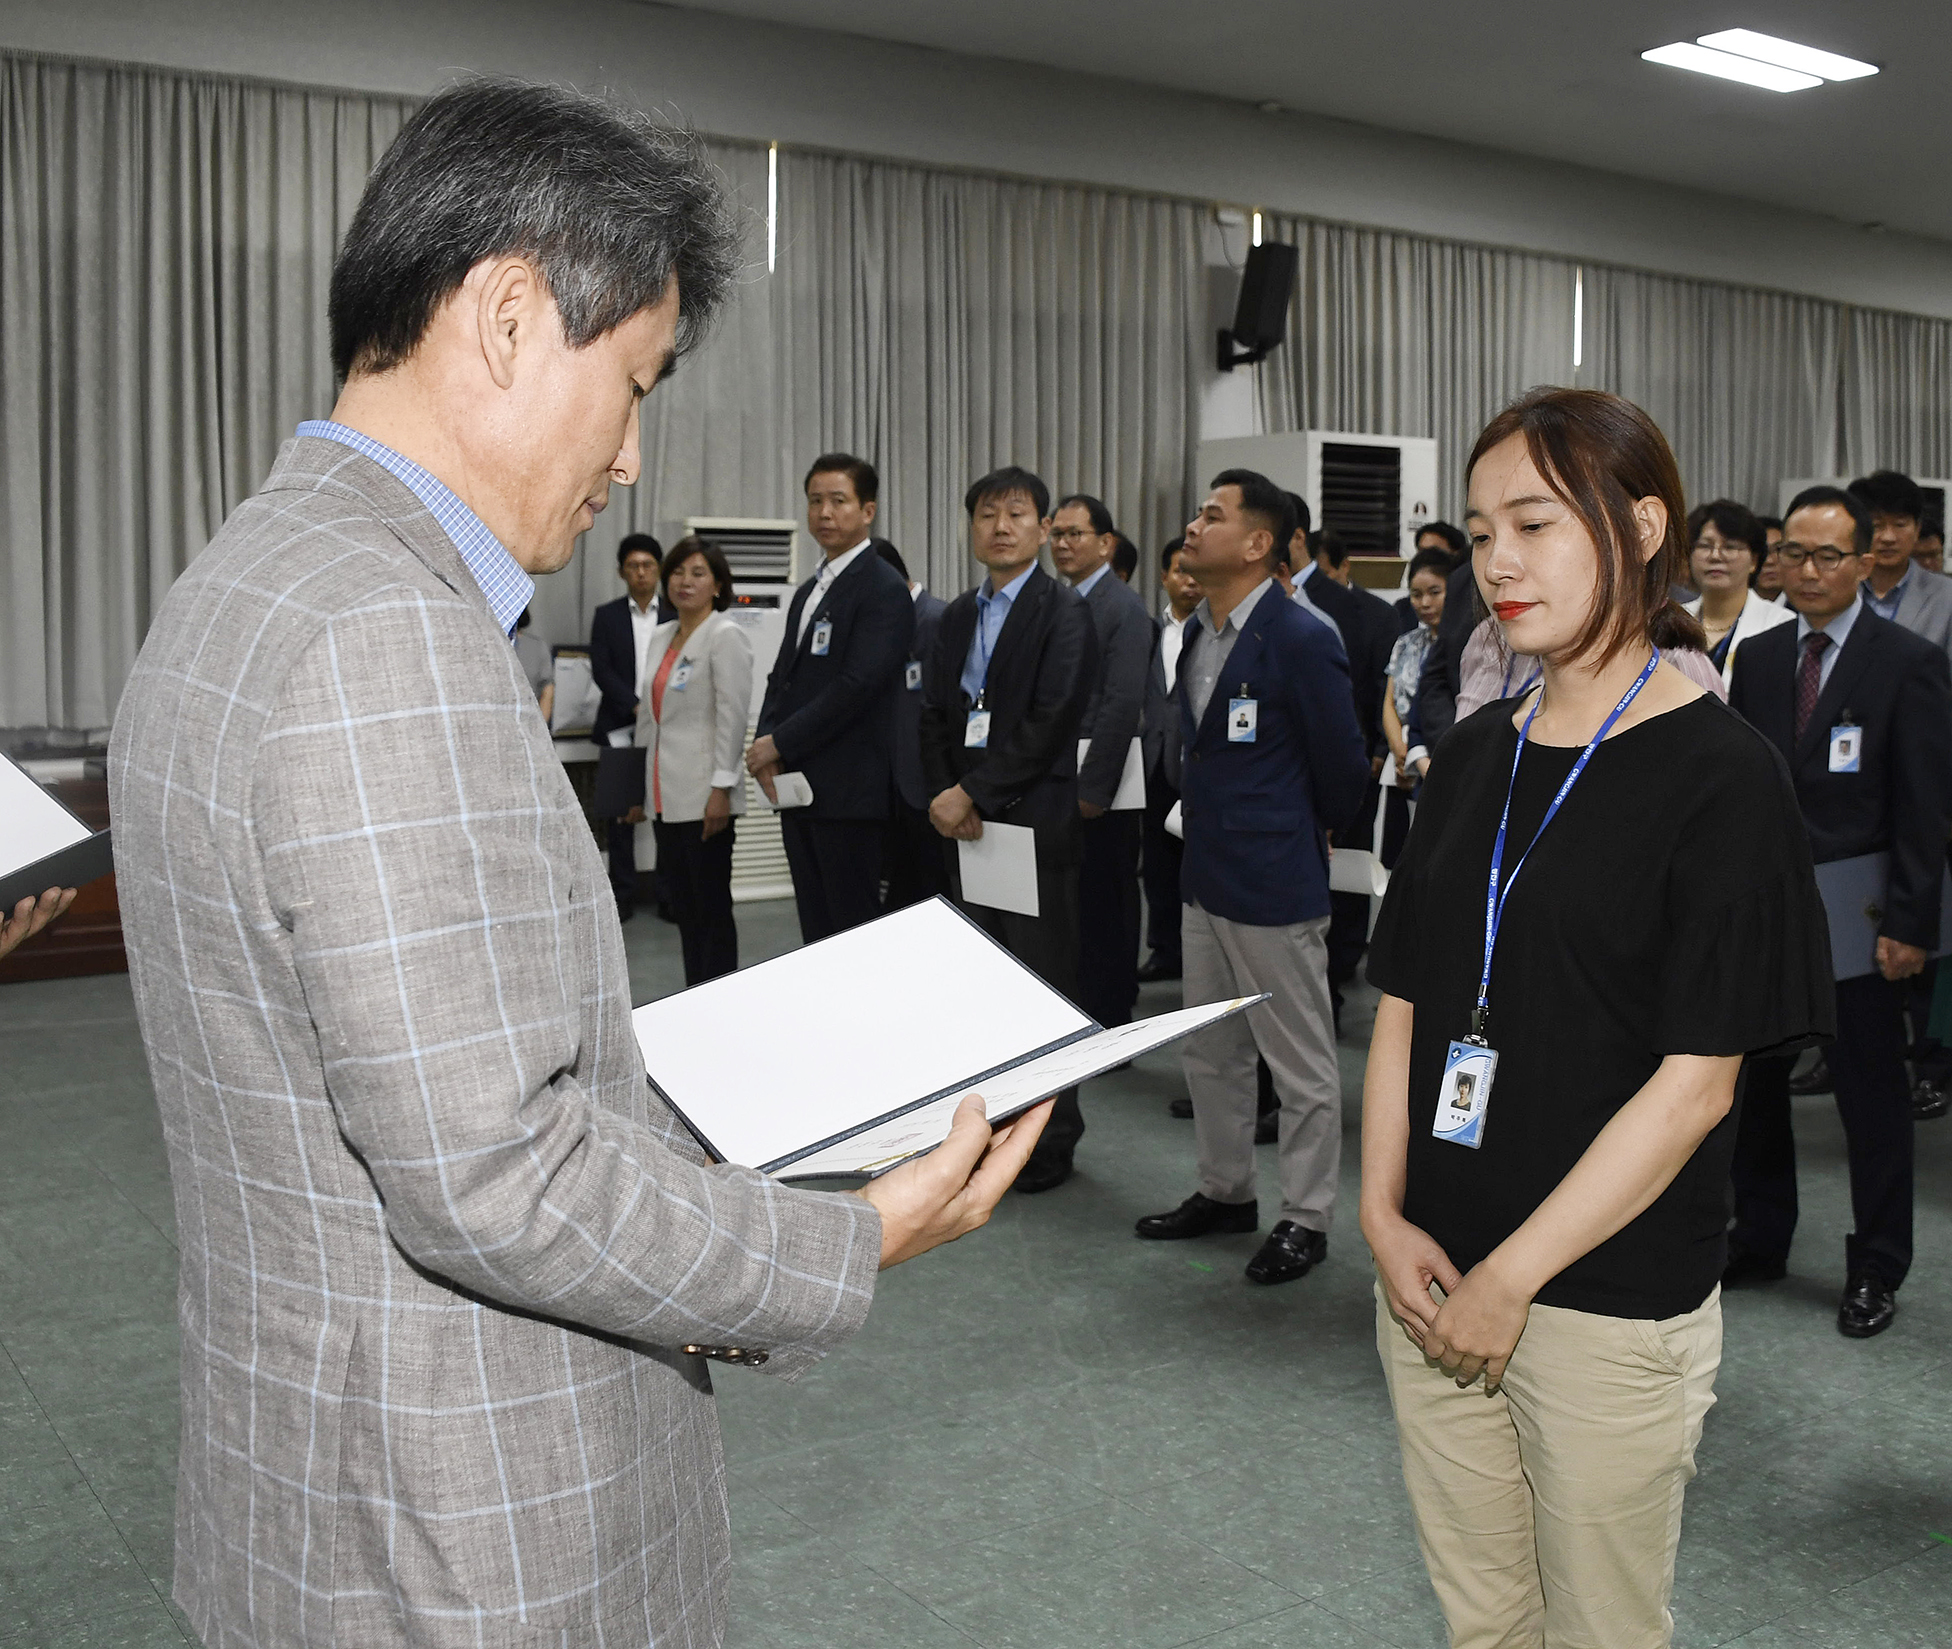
x: 1897, y: 394
x: 1744, y: 383
x: 942, y: 324
x: 1392, y: 334
x: 165, y: 245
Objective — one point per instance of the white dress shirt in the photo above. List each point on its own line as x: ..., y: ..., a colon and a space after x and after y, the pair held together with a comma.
x: 643, y: 620
x: 823, y: 581
x: 1171, y: 639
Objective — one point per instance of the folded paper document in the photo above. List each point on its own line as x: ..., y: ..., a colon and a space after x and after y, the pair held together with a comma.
x: 42, y: 844
x: 850, y: 1055
x: 1853, y: 899
x: 999, y: 868
x: 791, y: 790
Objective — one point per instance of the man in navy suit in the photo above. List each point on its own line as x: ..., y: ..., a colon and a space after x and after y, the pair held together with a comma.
x: 620, y: 631
x: 1861, y: 709
x: 1272, y: 760
x: 1082, y: 544
x: 913, y: 853
x: 829, y: 706
x: 1004, y: 691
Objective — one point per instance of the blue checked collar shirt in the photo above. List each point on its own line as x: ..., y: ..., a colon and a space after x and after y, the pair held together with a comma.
x: 992, y: 609
x: 1886, y: 605
x: 499, y: 574
x: 1084, y: 586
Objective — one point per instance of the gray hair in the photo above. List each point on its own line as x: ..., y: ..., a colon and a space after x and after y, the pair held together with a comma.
x: 608, y: 203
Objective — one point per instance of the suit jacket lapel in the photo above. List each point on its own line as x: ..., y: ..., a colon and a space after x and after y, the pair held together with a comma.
x: 1020, y: 620
x: 1845, y: 674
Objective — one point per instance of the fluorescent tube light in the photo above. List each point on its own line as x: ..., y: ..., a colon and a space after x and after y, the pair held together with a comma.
x: 1684, y: 55
x: 1786, y: 54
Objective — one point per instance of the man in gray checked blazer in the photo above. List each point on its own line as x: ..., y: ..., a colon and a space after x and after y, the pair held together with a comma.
x: 452, y: 1276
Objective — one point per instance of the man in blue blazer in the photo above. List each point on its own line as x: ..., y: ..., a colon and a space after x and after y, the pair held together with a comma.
x: 1273, y: 761
x: 829, y: 706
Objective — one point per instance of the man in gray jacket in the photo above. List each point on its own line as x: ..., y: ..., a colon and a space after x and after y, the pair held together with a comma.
x: 453, y: 1277
x: 1082, y: 541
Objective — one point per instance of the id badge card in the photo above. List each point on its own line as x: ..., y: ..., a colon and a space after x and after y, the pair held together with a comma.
x: 823, y: 635
x: 1464, y: 1093
x: 1243, y: 720
x: 976, y: 734
x: 913, y: 675
x: 1846, y: 748
x: 680, y: 675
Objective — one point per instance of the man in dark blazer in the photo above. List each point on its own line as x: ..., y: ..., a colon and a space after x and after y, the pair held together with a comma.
x: 1862, y: 712
x: 912, y: 859
x: 1162, y: 847
x: 1003, y: 695
x: 620, y: 630
x: 829, y: 710
x: 1082, y: 545
x: 1272, y: 760
x: 1368, y: 627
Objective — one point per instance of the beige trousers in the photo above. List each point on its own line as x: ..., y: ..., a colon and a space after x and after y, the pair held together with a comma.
x: 1549, y: 1511
x: 1294, y: 1033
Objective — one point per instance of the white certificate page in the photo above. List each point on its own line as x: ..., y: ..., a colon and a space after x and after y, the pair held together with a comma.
x: 792, y: 1052
x: 1009, y: 1092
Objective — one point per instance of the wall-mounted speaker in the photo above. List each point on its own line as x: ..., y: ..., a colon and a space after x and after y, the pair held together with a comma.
x: 1261, y: 314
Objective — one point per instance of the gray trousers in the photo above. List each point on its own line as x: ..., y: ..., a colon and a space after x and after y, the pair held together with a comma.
x: 1294, y: 1033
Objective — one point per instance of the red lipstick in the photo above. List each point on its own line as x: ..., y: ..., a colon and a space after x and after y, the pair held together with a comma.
x: 1509, y: 610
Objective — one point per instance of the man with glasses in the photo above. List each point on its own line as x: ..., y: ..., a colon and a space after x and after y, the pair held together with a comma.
x: 1861, y: 710
x: 1082, y: 546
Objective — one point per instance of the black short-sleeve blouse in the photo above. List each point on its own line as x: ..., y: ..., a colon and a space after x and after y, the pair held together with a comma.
x: 1670, y: 908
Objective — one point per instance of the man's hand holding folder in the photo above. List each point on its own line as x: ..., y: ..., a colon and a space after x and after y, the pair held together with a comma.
x: 951, y: 1191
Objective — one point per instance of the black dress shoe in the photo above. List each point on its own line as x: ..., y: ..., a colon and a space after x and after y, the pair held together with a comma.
x: 1197, y: 1216
x: 1745, y: 1267
x: 1867, y: 1309
x: 1182, y: 1108
x: 1157, y: 967
x: 1290, y: 1251
x: 1929, y: 1101
x: 1816, y: 1080
x: 1047, y: 1175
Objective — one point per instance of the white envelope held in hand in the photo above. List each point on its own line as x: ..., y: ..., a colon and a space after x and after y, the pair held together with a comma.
x: 791, y: 790
x: 999, y: 868
x: 1131, y: 779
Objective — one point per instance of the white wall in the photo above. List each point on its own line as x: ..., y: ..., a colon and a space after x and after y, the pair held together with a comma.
x: 743, y: 79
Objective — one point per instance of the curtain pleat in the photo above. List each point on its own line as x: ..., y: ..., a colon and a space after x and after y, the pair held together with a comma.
x: 1743, y: 383
x: 166, y: 244
x: 1392, y: 334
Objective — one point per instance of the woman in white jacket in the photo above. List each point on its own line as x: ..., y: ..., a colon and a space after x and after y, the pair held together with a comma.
x: 1728, y: 545
x: 691, y: 723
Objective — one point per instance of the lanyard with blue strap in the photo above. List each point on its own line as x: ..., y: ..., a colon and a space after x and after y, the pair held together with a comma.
x: 1470, y: 1065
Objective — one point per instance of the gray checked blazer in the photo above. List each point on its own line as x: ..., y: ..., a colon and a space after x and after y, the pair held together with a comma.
x: 441, y: 1245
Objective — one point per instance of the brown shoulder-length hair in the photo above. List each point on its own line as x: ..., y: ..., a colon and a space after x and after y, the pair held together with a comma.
x: 684, y: 550
x: 1601, y: 455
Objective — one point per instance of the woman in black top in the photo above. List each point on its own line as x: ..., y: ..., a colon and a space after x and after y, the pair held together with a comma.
x: 1570, y: 1258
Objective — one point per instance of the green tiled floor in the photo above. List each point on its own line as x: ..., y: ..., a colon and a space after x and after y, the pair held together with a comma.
x: 1048, y: 1435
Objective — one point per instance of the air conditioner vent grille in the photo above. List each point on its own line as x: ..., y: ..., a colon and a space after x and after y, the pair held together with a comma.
x: 1362, y: 495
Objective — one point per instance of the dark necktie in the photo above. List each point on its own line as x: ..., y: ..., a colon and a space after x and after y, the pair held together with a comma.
x: 1809, y: 678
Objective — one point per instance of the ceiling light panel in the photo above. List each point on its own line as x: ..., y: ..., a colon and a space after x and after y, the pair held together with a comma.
x: 1726, y: 65
x: 1786, y: 54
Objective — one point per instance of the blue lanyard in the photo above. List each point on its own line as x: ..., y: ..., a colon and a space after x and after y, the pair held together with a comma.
x: 1494, y: 904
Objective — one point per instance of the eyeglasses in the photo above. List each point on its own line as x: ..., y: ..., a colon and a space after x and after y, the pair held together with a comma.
x: 1827, y: 560
x: 1071, y: 535
x: 1720, y: 547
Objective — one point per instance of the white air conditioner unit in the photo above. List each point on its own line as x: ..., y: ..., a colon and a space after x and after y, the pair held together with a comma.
x: 764, y: 556
x: 1376, y: 491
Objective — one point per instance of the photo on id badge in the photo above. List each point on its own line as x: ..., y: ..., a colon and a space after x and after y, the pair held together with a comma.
x: 1846, y: 747
x: 1464, y: 1094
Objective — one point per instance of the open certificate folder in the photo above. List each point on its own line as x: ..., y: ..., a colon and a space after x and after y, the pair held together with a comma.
x: 851, y: 1055
x: 42, y: 844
